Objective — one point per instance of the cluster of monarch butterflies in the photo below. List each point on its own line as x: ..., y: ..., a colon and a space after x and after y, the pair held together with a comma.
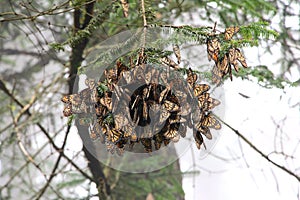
x: 144, y: 104
x: 230, y: 58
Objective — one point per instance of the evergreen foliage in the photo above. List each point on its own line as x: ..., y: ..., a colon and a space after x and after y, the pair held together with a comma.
x: 29, y: 28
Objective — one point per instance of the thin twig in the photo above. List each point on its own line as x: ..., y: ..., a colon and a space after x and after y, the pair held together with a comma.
x: 145, y: 27
x: 144, y: 13
x: 265, y: 156
x: 43, y: 129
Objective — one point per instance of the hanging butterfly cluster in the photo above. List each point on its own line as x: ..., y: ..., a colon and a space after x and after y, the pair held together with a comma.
x: 230, y: 58
x: 203, y: 119
x: 144, y: 104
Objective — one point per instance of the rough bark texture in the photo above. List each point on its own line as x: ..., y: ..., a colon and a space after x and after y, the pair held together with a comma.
x: 75, y: 62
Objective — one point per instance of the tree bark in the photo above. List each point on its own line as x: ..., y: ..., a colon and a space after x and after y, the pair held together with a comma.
x: 76, y: 59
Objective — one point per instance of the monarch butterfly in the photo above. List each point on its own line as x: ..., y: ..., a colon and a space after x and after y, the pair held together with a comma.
x: 207, y: 103
x: 181, y: 95
x: 133, y: 137
x: 77, y: 109
x: 110, y: 86
x: 173, y: 99
x: 118, y: 91
x: 185, y: 108
x: 232, y: 59
x: 120, y: 120
x: 191, y: 77
x: 121, y: 143
x: 163, y: 94
x: 67, y: 110
x: 145, y: 110
x: 176, y: 51
x: 166, y: 141
x: 90, y: 83
x: 154, y: 111
x: 147, y: 144
x: 206, y: 132
x: 148, y: 76
x: 155, y: 76
x: 164, y: 77
x: 121, y: 68
x: 211, y: 122
x: 146, y: 92
x: 135, y: 117
x: 240, y: 57
x: 113, y: 134
x: 100, y: 109
x: 106, y: 101
x: 147, y: 132
x: 173, y: 130
x: 151, y: 76
x: 169, y: 62
x: 141, y: 59
x: 94, y: 96
x: 221, y: 68
x: 171, y: 133
x: 139, y: 73
x: 229, y: 32
x: 127, y: 130
x: 85, y: 95
x: 158, y: 139
x: 170, y: 106
x: 111, y: 75
x: 100, y: 131
x: 213, y: 49
x: 198, y: 139
x: 216, y: 75
x: 177, y: 119
x: 202, y: 99
x: 137, y: 98
x: 199, y: 89
x: 128, y: 77
x: 212, y: 103
x: 223, y: 65
x: 73, y: 99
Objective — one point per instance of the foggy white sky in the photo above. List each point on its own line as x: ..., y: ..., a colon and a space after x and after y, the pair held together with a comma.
x: 255, y: 117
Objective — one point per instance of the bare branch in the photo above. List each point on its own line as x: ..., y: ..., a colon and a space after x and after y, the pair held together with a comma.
x: 58, y: 149
x: 256, y: 149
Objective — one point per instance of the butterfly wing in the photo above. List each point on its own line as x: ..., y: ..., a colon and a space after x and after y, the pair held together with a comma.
x: 211, y: 122
x: 170, y: 106
x: 213, y: 49
x: 240, y: 57
x: 198, y: 139
x: 199, y: 89
x: 229, y: 32
x: 191, y: 77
